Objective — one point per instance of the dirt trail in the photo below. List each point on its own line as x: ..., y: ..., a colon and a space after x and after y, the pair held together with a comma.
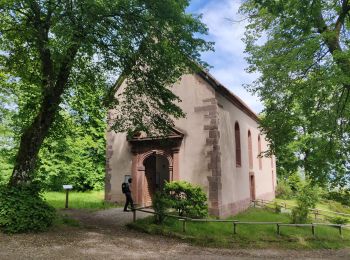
x: 103, y: 235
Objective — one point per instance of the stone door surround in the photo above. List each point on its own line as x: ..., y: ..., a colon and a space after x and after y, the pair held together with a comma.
x: 144, y: 147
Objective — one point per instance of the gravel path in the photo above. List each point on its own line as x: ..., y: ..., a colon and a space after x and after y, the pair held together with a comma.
x: 103, y: 235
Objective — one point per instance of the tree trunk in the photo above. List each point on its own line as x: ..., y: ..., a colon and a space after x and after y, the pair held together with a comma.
x: 33, y: 136
x: 31, y: 141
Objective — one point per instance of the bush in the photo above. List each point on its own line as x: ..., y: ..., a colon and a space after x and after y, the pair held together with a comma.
x: 338, y: 220
x: 161, y: 204
x: 187, y: 199
x: 283, y: 190
x: 294, y: 182
x: 277, y: 208
x: 22, y: 209
x: 299, y: 215
x: 307, y: 198
x: 340, y: 196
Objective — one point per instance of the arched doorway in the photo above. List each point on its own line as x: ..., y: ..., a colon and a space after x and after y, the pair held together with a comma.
x: 156, y: 174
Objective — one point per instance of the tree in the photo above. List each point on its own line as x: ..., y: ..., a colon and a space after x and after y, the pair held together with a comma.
x: 307, y: 198
x: 74, y: 155
x: 301, y: 50
x: 47, y: 48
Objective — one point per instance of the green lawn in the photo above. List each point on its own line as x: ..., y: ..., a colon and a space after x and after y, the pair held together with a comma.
x: 78, y: 200
x: 327, y: 205
x: 255, y: 236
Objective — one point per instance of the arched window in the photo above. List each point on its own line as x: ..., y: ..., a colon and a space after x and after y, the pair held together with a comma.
x: 238, y: 146
x: 250, y: 150
x: 259, y: 153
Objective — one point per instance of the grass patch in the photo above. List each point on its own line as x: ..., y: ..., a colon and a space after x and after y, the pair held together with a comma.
x: 327, y: 205
x: 248, y: 236
x: 93, y: 200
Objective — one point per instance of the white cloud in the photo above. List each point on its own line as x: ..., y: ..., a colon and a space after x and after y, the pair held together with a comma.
x: 228, y: 59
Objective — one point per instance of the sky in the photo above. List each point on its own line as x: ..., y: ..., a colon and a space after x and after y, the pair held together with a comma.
x: 228, y: 63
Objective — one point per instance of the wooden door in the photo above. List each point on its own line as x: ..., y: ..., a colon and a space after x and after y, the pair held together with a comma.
x: 149, y: 180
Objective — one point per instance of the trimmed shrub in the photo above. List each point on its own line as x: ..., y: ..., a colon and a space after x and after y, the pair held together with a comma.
x: 22, y: 209
x: 189, y: 200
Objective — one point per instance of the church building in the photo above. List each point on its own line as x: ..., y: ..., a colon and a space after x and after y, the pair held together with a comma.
x: 216, y: 146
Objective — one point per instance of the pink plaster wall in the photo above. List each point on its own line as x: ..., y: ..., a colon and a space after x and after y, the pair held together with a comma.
x: 207, y: 153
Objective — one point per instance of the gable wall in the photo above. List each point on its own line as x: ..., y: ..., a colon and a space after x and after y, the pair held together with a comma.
x: 207, y: 152
x: 199, y: 105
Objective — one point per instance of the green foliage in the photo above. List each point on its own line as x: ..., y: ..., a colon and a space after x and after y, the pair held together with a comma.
x: 288, y: 186
x: 75, y: 156
x: 74, y: 151
x: 338, y: 220
x: 66, y: 57
x: 294, y: 181
x: 6, y: 133
x: 307, y: 197
x: 277, y: 207
x: 5, y: 167
x: 283, y: 190
x: 189, y: 200
x: 161, y: 204
x: 22, y: 209
x: 303, y: 60
x: 338, y: 207
x: 342, y: 196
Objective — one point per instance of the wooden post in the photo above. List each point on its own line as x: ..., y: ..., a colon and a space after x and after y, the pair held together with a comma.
x: 134, y: 215
x: 234, y: 228
x: 278, y: 230
x: 184, y: 226
x: 67, y: 192
x: 340, y: 231
x: 313, y: 230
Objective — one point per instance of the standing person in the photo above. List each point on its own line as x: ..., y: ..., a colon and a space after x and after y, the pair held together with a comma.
x: 126, y: 190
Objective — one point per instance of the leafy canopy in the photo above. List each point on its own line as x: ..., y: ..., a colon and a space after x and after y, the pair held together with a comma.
x: 150, y: 42
x: 55, y: 55
x: 301, y: 51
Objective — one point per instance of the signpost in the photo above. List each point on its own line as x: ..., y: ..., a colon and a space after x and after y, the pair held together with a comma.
x: 67, y: 188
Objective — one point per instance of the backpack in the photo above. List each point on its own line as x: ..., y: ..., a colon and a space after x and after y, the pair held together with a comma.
x: 125, y: 187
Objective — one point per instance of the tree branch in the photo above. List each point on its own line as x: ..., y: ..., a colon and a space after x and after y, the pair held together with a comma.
x: 42, y: 44
x: 340, y: 21
x: 331, y: 37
